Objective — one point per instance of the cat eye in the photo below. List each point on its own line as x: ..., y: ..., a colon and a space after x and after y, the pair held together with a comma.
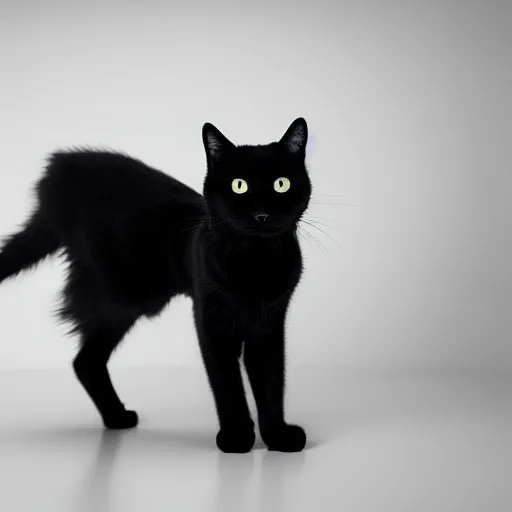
x: 282, y: 185
x: 239, y: 186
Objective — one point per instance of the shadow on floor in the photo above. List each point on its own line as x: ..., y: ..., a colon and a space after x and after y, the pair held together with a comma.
x: 236, y: 473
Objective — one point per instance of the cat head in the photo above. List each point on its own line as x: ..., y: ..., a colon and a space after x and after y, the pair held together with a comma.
x: 257, y: 190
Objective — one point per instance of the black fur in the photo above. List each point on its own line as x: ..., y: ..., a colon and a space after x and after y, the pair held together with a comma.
x: 134, y: 237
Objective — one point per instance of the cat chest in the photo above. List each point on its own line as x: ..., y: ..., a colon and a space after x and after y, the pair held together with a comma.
x: 259, y: 276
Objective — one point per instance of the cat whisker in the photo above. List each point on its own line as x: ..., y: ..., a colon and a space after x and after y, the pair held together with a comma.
x: 302, y: 234
x: 309, y: 223
x: 318, y: 243
x: 307, y: 236
x: 321, y: 222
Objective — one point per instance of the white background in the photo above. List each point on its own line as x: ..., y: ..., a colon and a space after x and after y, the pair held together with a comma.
x: 409, y: 108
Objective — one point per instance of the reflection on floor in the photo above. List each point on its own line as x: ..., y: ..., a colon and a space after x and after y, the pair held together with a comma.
x: 389, y: 440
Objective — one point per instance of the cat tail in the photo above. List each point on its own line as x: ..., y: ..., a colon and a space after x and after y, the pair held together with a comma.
x: 24, y: 249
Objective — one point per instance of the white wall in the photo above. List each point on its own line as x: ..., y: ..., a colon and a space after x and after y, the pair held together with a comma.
x: 409, y: 108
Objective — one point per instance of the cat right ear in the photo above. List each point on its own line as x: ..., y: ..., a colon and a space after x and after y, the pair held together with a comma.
x: 296, y: 137
x: 215, y: 144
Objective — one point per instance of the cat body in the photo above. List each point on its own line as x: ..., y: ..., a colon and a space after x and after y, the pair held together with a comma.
x: 135, y: 237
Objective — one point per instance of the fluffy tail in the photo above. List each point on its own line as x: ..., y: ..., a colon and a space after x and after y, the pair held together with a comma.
x: 25, y: 248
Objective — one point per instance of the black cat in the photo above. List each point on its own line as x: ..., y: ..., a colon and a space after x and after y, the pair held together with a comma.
x: 134, y: 237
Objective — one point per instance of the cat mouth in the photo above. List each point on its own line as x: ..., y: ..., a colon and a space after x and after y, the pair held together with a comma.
x: 263, y: 229
x: 269, y: 230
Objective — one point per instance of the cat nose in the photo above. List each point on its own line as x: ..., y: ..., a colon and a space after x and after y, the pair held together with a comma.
x: 261, y: 217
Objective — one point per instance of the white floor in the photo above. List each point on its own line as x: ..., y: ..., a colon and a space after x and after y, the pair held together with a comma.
x: 379, y: 441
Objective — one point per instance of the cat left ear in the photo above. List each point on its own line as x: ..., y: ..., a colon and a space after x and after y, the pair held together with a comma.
x: 296, y: 137
x: 215, y: 144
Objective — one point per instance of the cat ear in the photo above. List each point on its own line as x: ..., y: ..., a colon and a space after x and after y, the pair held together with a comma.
x: 215, y: 143
x: 296, y: 137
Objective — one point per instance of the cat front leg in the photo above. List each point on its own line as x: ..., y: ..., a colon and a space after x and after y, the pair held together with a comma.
x: 265, y: 363
x: 221, y: 350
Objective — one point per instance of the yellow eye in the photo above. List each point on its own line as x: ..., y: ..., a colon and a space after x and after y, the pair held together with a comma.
x: 239, y: 186
x: 282, y: 185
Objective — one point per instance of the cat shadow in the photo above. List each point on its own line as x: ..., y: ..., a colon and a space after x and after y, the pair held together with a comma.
x: 95, y: 488
x: 240, y: 481
x: 236, y: 474
x: 94, y: 492
x: 110, y: 440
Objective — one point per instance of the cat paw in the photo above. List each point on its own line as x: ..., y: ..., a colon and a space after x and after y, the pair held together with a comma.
x: 236, y: 441
x: 121, y: 420
x: 285, y: 438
